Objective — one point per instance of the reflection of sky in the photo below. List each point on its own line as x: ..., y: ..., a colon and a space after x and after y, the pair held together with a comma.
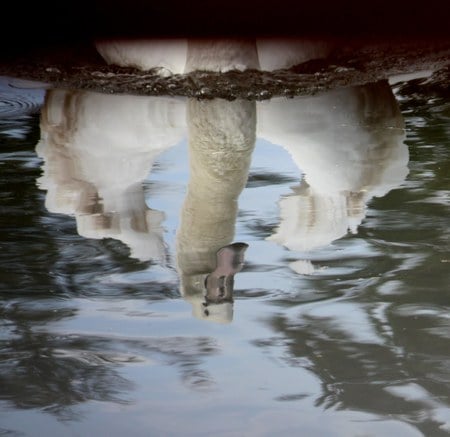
x: 165, y: 186
x: 268, y: 159
x: 19, y: 99
x: 358, y: 348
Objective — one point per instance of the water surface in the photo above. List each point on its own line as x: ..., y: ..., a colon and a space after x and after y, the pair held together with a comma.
x: 118, y: 316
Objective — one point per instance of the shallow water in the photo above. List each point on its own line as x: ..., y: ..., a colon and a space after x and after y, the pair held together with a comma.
x: 113, y: 210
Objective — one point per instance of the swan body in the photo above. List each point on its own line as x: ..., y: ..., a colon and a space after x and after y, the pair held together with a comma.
x: 178, y: 56
x: 221, y: 55
x: 168, y: 56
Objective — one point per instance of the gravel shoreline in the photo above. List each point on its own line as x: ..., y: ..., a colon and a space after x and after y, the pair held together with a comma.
x: 350, y: 64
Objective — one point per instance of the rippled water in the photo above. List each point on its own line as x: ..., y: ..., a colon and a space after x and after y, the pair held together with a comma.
x: 119, y: 315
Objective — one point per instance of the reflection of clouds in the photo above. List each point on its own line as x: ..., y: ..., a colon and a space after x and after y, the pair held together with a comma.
x: 221, y: 141
x: 97, y: 150
x: 349, y: 145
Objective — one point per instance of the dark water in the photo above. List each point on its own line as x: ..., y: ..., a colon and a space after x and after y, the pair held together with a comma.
x: 118, y: 317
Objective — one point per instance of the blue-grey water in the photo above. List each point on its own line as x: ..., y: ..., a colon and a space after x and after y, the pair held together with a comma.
x: 120, y: 317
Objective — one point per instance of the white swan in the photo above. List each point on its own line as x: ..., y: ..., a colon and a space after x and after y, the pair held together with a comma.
x: 97, y: 150
x: 168, y: 56
x: 221, y: 141
x: 278, y: 53
x: 221, y: 55
x: 178, y: 56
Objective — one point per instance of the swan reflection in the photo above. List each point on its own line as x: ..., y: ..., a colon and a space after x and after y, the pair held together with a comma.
x: 98, y: 149
x: 221, y: 142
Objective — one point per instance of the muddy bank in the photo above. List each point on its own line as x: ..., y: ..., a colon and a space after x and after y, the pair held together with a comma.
x: 350, y: 63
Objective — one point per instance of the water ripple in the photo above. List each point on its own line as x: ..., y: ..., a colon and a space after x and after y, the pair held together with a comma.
x: 20, y: 98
